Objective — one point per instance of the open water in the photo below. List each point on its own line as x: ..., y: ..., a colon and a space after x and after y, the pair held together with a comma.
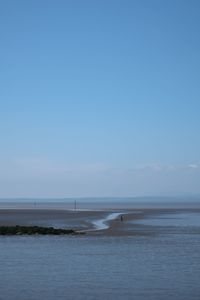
x: 162, y: 266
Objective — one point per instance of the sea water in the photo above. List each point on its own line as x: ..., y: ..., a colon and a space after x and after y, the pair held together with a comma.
x: 101, y: 203
x: 162, y: 266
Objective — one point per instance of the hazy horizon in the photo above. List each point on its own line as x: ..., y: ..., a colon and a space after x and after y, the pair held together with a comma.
x: 112, y: 198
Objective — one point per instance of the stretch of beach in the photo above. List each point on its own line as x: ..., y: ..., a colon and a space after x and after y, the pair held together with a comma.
x: 92, y: 222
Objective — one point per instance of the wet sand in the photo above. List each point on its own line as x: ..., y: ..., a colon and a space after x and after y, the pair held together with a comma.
x: 84, y: 220
x: 48, y: 217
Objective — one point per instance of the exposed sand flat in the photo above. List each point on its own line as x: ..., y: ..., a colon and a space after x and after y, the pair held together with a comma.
x: 89, y: 221
x: 48, y: 217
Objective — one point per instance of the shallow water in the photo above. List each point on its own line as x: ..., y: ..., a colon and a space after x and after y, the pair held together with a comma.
x: 101, y: 203
x: 183, y: 219
x: 102, y: 224
x: 165, y: 266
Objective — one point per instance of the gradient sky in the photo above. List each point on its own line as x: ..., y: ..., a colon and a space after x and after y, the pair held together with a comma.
x: 99, y: 98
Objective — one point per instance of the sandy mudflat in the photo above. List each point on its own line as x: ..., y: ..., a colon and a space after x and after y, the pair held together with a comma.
x: 127, y: 227
x: 83, y: 220
x: 48, y: 217
x: 79, y: 220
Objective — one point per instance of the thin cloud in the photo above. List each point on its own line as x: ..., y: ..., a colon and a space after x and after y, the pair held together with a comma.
x: 194, y: 166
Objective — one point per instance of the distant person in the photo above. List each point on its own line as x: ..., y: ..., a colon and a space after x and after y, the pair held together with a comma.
x: 121, y: 218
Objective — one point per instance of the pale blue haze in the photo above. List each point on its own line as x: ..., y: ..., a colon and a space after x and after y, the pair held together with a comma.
x: 99, y: 98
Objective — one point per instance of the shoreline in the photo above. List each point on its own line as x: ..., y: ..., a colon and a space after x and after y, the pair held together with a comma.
x: 91, y: 222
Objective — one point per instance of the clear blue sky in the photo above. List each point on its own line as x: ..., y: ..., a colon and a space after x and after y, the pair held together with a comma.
x: 99, y: 97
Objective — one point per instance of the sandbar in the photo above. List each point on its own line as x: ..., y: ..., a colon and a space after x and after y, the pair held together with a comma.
x: 86, y: 221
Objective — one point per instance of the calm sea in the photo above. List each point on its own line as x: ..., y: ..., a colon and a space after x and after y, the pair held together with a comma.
x: 163, y: 266
x: 102, y: 203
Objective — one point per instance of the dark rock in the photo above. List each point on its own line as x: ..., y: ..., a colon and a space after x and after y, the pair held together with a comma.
x: 30, y: 230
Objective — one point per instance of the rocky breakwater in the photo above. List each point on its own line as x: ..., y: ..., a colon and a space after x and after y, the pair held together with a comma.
x: 35, y: 230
